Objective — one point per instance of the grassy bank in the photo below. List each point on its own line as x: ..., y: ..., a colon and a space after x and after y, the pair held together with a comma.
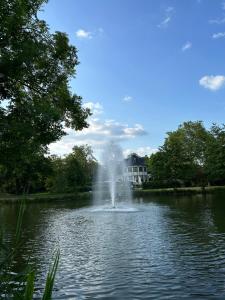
x: 180, y: 191
x: 43, y: 197
x: 48, y: 197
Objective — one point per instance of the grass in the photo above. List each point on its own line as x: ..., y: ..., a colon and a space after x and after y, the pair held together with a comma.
x: 21, y: 286
x: 42, y: 197
x: 182, y: 191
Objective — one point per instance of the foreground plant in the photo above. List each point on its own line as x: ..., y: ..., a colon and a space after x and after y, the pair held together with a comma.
x: 21, y: 286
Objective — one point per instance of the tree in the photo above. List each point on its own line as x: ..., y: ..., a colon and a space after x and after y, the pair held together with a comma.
x: 185, y: 150
x: 183, y: 155
x: 156, y: 165
x: 73, y: 172
x: 215, y: 155
x: 35, y: 100
x: 86, y: 164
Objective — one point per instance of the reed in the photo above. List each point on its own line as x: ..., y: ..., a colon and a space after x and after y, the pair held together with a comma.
x: 21, y: 286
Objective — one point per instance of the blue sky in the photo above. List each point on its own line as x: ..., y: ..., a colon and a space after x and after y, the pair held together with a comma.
x: 145, y: 67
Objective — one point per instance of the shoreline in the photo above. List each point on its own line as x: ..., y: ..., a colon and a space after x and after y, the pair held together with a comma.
x: 47, y: 197
x: 180, y: 191
x: 43, y: 197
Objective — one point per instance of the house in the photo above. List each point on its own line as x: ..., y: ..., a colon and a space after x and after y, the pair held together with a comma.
x: 136, y: 169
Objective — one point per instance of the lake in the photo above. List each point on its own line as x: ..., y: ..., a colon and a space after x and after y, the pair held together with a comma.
x: 167, y: 247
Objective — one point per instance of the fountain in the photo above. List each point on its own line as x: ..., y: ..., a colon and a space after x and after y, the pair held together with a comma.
x: 112, y: 186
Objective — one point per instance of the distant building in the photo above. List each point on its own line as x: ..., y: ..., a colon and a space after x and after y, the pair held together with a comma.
x: 136, y: 170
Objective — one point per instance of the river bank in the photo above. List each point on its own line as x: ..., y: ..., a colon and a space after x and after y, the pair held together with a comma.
x: 48, y: 197
x: 43, y: 197
x: 180, y: 191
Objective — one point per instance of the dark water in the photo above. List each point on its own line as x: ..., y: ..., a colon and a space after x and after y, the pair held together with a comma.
x: 171, y: 248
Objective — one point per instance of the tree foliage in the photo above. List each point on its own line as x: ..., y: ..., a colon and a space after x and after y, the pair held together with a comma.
x: 35, y: 99
x: 73, y: 172
x: 190, y: 155
x: 215, y: 154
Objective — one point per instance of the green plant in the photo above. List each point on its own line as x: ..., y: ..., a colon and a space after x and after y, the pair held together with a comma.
x: 21, y: 286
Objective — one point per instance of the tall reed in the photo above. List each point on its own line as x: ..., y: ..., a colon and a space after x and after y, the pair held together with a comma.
x: 21, y: 286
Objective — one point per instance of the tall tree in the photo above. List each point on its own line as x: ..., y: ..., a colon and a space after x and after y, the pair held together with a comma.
x: 74, y: 171
x: 215, y: 155
x: 185, y: 151
x: 183, y: 155
x: 35, y: 99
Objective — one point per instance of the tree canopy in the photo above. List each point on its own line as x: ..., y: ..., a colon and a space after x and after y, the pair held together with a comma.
x: 190, y: 155
x: 73, y: 172
x: 35, y: 98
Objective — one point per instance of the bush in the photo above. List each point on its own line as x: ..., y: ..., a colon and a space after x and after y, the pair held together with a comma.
x: 160, y: 184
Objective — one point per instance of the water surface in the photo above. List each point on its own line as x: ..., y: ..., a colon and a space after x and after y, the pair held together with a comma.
x: 163, y: 248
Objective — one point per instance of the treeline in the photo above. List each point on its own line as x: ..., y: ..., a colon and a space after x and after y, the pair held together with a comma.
x: 190, y: 156
x: 71, y: 173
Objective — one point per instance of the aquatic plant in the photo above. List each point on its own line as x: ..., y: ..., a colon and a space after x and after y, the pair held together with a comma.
x: 21, y: 285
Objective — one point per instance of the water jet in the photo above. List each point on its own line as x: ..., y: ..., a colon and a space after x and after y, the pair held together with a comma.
x: 111, y: 184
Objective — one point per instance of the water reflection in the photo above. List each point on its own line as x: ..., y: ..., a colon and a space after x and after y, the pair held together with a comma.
x: 171, y: 248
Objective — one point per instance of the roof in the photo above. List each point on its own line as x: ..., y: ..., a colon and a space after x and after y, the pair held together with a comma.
x: 135, y: 160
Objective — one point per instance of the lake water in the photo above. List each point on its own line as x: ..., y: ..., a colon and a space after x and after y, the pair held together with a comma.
x: 166, y: 247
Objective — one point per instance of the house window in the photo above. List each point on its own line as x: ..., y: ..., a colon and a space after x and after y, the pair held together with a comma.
x: 140, y: 169
x: 135, y: 169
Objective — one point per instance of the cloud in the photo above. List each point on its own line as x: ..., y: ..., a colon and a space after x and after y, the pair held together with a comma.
x: 186, y: 46
x: 168, y: 13
x: 96, y: 108
x: 212, y: 83
x: 83, y: 34
x: 218, y: 35
x: 127, y: 98
x: 217, y: 21
x: 98, y: 133
x: 141, y: 151
x: 165, y: 22
x: 169, y: 9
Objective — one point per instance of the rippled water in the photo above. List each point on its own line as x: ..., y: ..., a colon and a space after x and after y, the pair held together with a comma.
x: 161, y: 248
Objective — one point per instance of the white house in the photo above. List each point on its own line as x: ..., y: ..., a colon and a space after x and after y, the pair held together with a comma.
x: 136, y: 169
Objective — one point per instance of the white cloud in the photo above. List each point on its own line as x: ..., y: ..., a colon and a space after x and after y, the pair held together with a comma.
x: 127, y: 98
x: 218, y: 35
x: 83, y: 34
x: 96, y: 108
x: 165, y: 22
x: 131, y: 132
x: 141, y: 151
x: 186, y: 46
x: 109, y: 129
x: 97, y: 134
x: 212, y: 83
x: 217, y: 21
x: 169, y: 11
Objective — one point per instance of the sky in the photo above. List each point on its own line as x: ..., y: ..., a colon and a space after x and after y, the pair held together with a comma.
x: 146, y: 66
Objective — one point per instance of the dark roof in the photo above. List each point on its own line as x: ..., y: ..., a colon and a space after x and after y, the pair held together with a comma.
x: 135, y: 160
